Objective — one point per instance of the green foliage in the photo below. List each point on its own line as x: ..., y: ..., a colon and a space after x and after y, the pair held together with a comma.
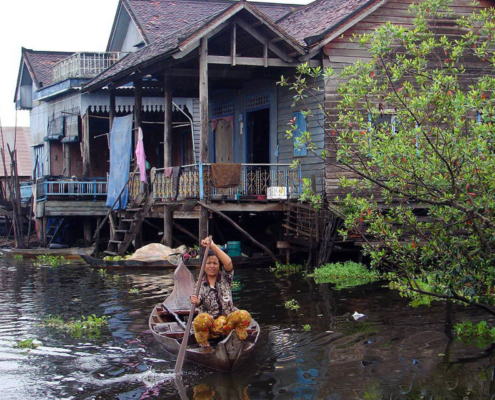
x: 134, y: 291
x: 481, y: 333
x: 307, y: 327
x: 347, y: 274
x: 407, y: 128
x: 18, y: 257
x: 236, y: 285
x: 286, y: 269
x: 52, y: 261
x: 292, y: 305
x: 103, y: 273
x: 89, y: 326
x: 27, y: 344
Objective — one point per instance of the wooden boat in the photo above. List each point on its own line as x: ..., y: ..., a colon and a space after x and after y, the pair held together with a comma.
x: 68, y: 252
x: 167, y: 324
x: 131, y: 264
x: 191, y: 263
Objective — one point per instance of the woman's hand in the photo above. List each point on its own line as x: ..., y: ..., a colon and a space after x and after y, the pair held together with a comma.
x: 205, y: 241
x: 195, y: 300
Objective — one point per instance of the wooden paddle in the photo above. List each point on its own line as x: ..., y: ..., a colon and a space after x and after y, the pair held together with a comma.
x: 183, y: 345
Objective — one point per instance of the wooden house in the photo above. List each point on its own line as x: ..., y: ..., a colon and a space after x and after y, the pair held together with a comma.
x: 200, y: 78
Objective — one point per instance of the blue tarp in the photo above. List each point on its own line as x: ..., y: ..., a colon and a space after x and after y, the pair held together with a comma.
x: 120, y: 160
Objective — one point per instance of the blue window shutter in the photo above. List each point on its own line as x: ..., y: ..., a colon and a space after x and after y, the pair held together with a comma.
x: 300, y: 127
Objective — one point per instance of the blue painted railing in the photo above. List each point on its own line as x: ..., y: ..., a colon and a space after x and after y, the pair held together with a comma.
x: 80, y: 188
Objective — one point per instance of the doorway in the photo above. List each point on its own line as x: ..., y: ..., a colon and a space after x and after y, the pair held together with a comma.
x: 258, y: 136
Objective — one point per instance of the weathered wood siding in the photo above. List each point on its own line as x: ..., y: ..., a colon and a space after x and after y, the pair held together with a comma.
x: 341, y: 52
x: 311, y: 164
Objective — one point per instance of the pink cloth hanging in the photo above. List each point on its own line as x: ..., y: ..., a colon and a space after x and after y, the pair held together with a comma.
x: 141, y: 156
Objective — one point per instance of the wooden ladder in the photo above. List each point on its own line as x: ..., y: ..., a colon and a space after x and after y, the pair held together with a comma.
x: 129, y: 224
x: 53, y: 230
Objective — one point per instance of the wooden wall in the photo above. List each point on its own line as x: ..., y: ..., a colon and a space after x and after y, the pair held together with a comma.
x: 341, y: 52
x: 311, y: 164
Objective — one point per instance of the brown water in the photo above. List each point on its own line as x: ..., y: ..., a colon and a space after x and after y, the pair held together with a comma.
x: 394, y: 352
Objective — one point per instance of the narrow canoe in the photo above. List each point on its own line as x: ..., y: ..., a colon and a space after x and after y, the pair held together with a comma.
x: 191, y: 263
x: 168, y: 320
x: 69, y: 252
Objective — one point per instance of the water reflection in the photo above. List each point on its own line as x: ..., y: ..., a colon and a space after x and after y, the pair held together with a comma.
x: 394, y: 352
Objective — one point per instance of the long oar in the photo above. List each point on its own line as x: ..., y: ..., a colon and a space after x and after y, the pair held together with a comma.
x: 183, y: 345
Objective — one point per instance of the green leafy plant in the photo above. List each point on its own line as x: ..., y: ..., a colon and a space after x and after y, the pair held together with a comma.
x: 292, y: 305
x: 415, y: 126
x: 481, y: 333
x: 89, y: 326
x: 102, y: 272
x: 134, y: 291
x: 18, y: 257
x: 236, y: 285
x: 53, y: 261
x: 347, y: 274
x: 286, y: 269
x: 307, y: 327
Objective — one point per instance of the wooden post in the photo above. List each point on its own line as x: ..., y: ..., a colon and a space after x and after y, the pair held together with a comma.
x: 138, y: 105
x: 167, y: 155
x: 44, y: 223
x: 204, y: 126
x: 167, y: 226
x: 97, y: 236
x: 85, y: 145
x: 87, y: 232
x: 111, y: 110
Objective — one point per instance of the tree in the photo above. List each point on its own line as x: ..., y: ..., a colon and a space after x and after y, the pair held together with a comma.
x: 416, y: 127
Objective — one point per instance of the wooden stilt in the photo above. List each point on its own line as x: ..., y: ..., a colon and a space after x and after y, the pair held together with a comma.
x: 204, y: 129
x: 85, y: 148
x: 97, y: 236
x: 167, y: 226
x: 87, y: 232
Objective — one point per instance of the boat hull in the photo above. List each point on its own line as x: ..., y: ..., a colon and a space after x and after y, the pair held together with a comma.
x: 69, y: 252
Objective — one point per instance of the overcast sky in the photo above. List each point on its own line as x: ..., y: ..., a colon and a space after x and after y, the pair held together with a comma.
x: 55, y: 25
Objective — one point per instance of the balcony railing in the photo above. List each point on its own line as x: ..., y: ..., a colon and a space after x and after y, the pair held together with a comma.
x: 82, y: 188
x: 195, y: 182
x: 84, y: 65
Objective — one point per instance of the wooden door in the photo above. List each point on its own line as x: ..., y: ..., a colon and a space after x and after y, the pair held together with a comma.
x: 224, y: 142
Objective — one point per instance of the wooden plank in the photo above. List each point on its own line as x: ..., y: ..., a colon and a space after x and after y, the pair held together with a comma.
x: 204, y: 133
x: 167, y: 134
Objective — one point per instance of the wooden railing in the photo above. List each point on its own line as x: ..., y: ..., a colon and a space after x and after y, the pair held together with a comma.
x: 84, y: 65
x: 82, y: 188
x: 195, y: 182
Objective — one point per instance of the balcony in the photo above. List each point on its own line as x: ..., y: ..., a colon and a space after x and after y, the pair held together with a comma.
x: 49, y: 188
x: 84, y: 65
x: 195, y: 183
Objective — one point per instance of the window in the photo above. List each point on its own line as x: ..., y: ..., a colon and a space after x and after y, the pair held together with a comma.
x: 300, y: 149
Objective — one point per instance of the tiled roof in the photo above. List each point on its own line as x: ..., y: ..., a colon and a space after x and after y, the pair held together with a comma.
x: 161, y: 18
x: 40, y: 63
x: 24, y: 166
x: 321, y: 17
x: 164, y: 44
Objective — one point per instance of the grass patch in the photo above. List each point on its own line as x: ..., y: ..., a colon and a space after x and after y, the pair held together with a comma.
x: 52, y: 261
x: 286, y: 269
x: 28, y: 344
x: 86, y: 326
x: 344, y: 275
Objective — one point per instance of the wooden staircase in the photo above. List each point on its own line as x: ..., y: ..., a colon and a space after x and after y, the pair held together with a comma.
x: 124, y: 229
x: 53, y: 230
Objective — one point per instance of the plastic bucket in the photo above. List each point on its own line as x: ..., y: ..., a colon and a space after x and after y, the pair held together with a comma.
x: 234, y: 249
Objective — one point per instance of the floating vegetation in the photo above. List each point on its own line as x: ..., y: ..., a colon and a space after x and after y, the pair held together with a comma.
x: 344, y: 275
x: 86, y: 326
x: 52, y: 261
x: 102, y: 272
x: 286, y: 269
x: 18, y: 257
x: 292, y: 305
x: 134, y: 291
x: 28, y: 344
x: 480, y: 333
x: 236, y: 285
x: 307, y: 327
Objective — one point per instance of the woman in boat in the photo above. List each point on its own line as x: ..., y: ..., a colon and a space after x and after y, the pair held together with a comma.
x: 218, y: 316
